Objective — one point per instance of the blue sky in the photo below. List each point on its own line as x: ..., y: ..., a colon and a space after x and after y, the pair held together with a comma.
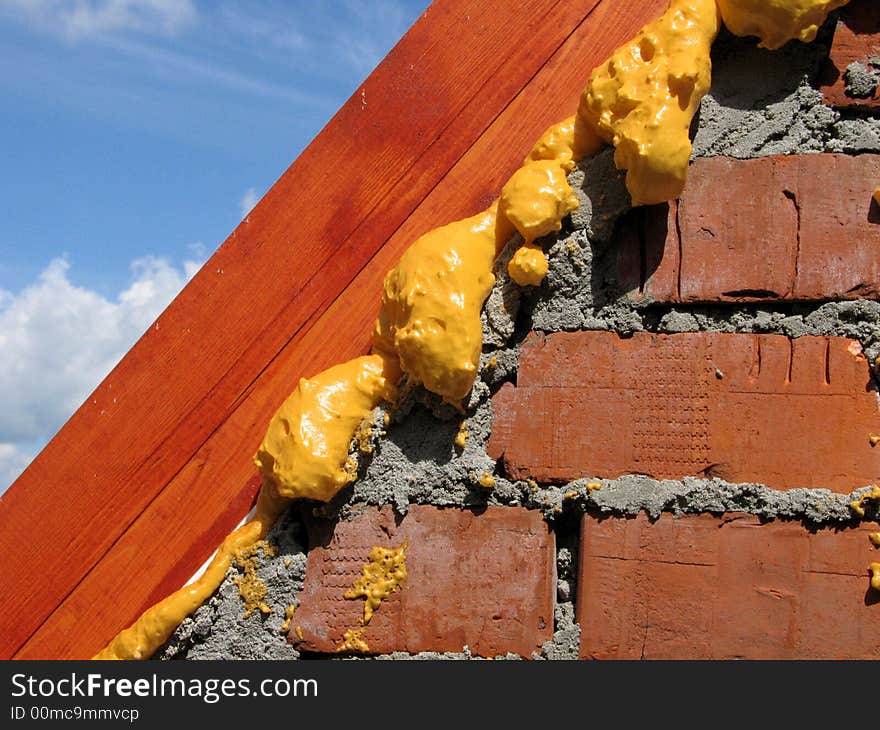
x: 134, y: 135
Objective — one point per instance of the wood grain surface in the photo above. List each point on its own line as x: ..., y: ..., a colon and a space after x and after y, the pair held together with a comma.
x: 142, y: 483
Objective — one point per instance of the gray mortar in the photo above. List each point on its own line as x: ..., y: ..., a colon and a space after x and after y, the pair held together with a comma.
x: 498, y: 317
x: 602, y: 195
x: 566, y: 637
x: 564, y: 300
x: 858, y: 319
x: 464, y: 655
x: 861, y: 79
x: 776, y: 111
x: 856, y: 135
x: 631, y: 494
x: 567, y: 634
x: 761, y: 103
x: 497, y: 366
x: 218, y: 629
x: 416, y: 460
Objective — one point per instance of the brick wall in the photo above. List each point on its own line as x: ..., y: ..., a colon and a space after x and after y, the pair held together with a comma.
x: 482, y: 579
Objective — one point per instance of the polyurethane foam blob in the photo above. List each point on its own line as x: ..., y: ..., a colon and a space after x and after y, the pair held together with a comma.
x: 430, y: 315
x: 537, y: 197
x: 155, y: 625
x: 305, y: 450
x: 529, y: 265
x: 644, y: 98
x: 776, y: 22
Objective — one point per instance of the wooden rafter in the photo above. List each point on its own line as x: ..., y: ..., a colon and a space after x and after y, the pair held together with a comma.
x: 141, y: 484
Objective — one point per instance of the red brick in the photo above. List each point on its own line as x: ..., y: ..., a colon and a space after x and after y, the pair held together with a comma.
x: 747, y: 408
x: 504, y: 404
x: 856, y: 37
x: 801, y: 227
x: 647, y: 267
x: 742, y: 253
x: 840, y: 228
x: 482, y: 579
x: 704, y: 587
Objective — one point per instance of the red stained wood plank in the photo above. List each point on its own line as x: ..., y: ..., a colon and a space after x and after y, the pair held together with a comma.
x: 343, y: 331
x: 276, y: 274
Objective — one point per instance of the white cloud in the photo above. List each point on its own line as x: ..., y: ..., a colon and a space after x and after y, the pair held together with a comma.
x: 372, y: 28
x: 175, y: 66
x: 58, y: 341
x: 84, y: 18
x: 13, y: 460
x: 264, y: 30
x: 248, y: 201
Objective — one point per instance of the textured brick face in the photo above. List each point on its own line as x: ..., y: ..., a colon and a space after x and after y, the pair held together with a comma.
x: 486, y: 580
x: 800, y: 227
x: 702, y: 587
x: 856, y: 38
x: 747, y: 408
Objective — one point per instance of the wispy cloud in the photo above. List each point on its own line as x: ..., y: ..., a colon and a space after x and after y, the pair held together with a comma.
x: 59, y: 340
x: 263, y: 28
x: 168, y: 66
x: 13, y: 460
x: 370, y: 30
x: 248, y: 201
x: 77, y: 19
x: 185, y: 67
x: 342, y: 38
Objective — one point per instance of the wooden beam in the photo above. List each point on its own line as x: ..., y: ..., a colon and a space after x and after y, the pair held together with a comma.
x: 279, y: 271
x: 170, y: 538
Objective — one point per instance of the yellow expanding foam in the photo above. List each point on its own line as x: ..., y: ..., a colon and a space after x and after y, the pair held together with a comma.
x: 644, y: 98
x: 776, y: 22
x: 157, y: 623
x: 305, y: 450
x: 430, y: 315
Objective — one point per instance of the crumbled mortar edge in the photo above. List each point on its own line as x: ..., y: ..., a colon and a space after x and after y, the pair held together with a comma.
x: 861, y: 79
x: 414, y: 459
